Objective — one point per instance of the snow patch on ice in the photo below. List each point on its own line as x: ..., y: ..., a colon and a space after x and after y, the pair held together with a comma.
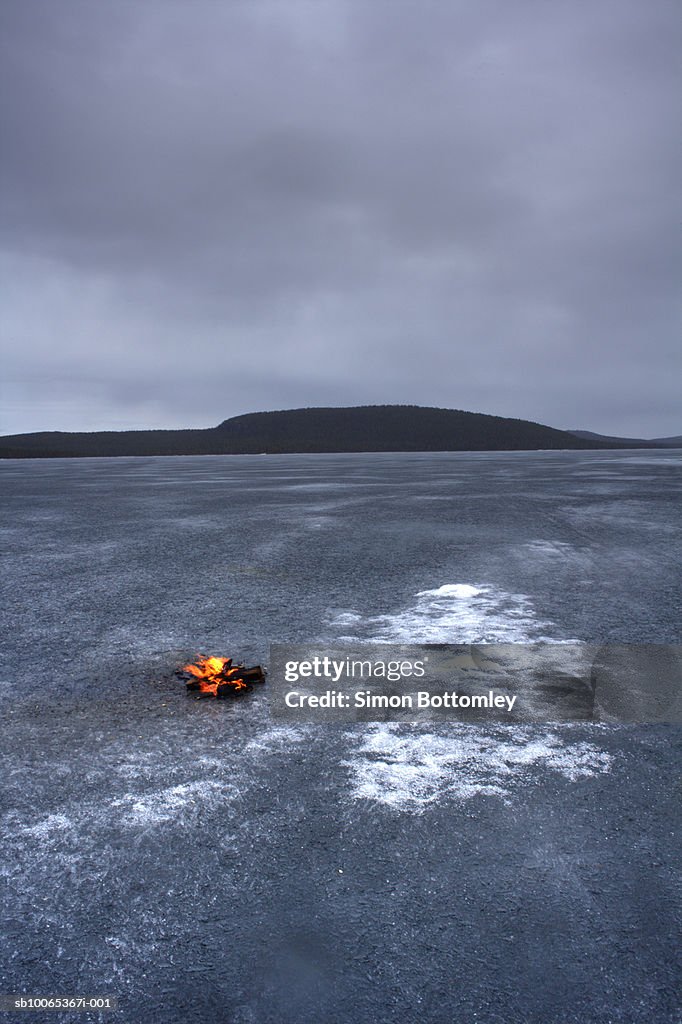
x: 44, y: 829
x: 452, y: 613
x: 168, y: 804
x: 552, y: 548
x: 277, y: 738
x: 408, y: 768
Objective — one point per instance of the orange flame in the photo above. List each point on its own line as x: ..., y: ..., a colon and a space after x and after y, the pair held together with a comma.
x: 210, y: 673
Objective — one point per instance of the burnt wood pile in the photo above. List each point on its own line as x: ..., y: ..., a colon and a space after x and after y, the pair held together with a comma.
x: 220, y: 677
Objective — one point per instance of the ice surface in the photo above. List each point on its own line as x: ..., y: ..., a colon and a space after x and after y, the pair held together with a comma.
x: 205, y: 865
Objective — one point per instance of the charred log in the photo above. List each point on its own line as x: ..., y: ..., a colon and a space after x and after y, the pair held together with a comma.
x: 219, y: 677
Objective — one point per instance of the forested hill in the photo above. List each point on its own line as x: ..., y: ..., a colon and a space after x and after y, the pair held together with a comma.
x: 370, y: 428
x: 632, y: 442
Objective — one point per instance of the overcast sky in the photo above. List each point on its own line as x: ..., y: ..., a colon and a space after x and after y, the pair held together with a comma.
x: 216, y: 207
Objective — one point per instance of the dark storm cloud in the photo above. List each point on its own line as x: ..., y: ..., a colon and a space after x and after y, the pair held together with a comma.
x: 212, y: 208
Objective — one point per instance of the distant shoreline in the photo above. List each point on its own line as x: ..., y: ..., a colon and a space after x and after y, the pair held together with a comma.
x: 252, y: 455
x: 355, y: 429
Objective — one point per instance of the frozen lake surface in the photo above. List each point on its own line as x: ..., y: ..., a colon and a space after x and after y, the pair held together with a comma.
x: 201, y: 863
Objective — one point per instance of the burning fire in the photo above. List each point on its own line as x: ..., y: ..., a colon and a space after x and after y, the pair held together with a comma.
x: 218, y: 677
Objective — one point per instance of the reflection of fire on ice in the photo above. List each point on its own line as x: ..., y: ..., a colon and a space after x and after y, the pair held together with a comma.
x: 218, y: 677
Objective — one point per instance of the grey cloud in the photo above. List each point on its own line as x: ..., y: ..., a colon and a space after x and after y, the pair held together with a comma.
x: 341, y: 202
